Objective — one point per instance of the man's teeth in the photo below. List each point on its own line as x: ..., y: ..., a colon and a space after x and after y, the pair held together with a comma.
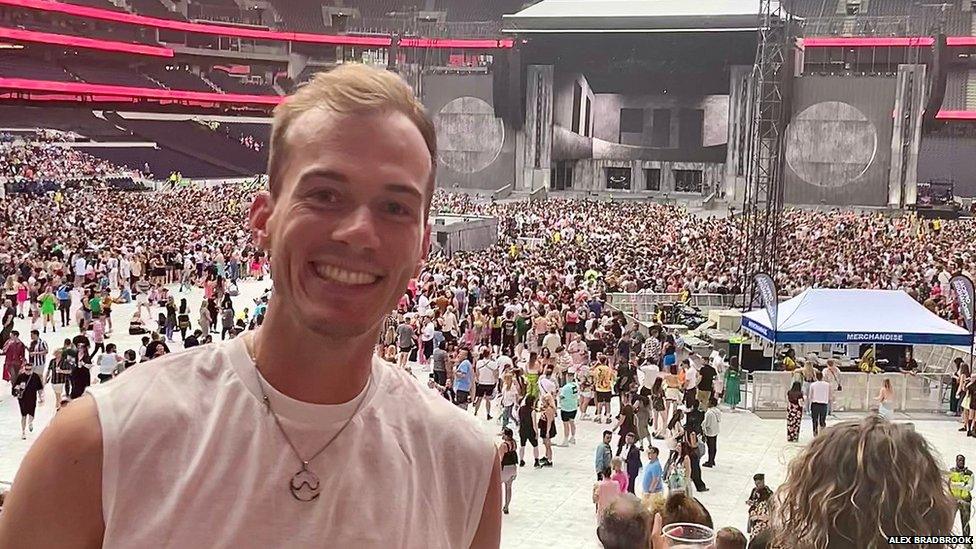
x: 343, y: 276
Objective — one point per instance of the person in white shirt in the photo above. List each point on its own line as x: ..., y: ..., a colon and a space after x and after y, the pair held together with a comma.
x: 486, y: 381
x: 819, y: 399
x: 552, y: 341
x: 710, y: 428
x: 259, y: 422
x: 108, y: 363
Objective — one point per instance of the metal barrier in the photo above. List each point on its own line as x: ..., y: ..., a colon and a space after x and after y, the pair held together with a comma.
x: 642, y: 304
x: 859, y: 391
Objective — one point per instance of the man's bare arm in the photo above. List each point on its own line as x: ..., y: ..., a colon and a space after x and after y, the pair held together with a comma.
x: 60, y: 476
x: 489, y: 534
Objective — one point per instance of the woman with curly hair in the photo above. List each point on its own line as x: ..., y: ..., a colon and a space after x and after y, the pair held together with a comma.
x: 883, y: 480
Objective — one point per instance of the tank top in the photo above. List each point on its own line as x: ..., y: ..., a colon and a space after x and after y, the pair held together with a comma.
x: 191, y: 458
x: 509, y: 457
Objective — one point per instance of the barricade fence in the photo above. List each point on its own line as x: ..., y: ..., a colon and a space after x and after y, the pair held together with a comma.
x: 859, y: 391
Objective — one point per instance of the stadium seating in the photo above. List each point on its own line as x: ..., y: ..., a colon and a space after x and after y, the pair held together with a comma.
x: 19, y: 66
x: 80, y: 121
x: 102, y: 73
x: 230, y: 84
x: 299, y: 15
x: 208, y: 145
x: 162, y: 162
x: 177, y: 79
x: 101, y: 4
x: 154, y: 8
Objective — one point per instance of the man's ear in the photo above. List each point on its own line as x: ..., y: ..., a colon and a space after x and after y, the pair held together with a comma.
x: 259, y: 217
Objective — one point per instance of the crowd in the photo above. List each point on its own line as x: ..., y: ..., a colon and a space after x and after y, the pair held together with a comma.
x: 35, y: 159
x: 521, y: 328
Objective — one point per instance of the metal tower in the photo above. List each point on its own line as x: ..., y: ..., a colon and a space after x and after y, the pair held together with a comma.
x: 763, y: 197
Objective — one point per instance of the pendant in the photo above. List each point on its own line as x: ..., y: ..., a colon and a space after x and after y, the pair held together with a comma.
x: 304, y: 484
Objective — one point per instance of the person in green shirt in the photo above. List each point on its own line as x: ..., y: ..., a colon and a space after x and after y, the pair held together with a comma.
x: 961, y: 486
x: 95, y: 304
x: 521, y: 326
x: 568, y: 405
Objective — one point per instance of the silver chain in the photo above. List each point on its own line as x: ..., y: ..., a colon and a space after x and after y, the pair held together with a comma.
x: 267, y: 404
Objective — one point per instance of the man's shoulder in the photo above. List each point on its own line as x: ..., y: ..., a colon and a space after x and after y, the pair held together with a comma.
x: 423, y: 411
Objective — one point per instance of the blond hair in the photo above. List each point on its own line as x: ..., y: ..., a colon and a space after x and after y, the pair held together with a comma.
x: 351, y: 88
x: 859, y: 482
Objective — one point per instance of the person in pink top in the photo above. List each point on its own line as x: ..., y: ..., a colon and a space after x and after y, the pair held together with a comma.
x: 605, y: 491
x: 619, y: 475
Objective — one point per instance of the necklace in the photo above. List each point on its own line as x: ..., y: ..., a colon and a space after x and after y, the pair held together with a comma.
x: 304, y: 484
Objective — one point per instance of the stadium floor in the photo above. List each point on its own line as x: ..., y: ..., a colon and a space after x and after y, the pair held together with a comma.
x: 552, y: 507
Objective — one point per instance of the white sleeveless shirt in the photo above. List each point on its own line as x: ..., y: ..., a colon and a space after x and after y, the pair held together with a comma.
x: 191, y: 458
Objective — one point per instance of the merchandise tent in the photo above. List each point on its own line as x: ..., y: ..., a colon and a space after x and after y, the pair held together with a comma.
x: 855, y: 316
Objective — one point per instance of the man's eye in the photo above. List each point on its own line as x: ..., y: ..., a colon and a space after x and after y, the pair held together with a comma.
x: 397, y: 208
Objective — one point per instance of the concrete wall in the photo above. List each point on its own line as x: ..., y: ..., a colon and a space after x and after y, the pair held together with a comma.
x: 714, y: 129
x: 838, y: 141
x: 476, y: 149
x: 562, y: 100
x: 469, y: 235
x: 590, y: 175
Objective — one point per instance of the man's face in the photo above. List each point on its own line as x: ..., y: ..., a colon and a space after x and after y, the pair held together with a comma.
x: 606, y: 439
x: 347, y: 229
x: 960, y: 462
x: 630, y: 438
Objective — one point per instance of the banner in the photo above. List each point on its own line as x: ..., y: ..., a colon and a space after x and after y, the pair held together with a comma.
x: 767, y: 293
x: 963, y: 286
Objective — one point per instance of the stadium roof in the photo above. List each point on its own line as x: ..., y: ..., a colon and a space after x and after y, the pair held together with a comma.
x: 557, y: 16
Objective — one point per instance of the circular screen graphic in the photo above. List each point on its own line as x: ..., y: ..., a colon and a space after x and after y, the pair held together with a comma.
x: 831, y: 144
x: 469, y: 136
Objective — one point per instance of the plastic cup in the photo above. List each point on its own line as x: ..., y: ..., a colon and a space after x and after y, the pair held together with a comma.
x: 687, y: 535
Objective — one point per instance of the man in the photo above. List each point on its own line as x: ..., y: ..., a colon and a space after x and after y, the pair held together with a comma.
x: 192, y: 340
x: 462, y: 379
x: 691, y: 382
x: 547, y: 384
x: 438, y: 362
x: 653, y: 481
x: 604, y: 454
x: 625, y: 524
x: 552, y: 341
x: 631, y: 456
x: 14, y: 356
x: 508, y: 334
x: 819, y: 400
x: 961, y: 486
x: 487, y: 379
x: 706, y: 384
x: 568, y: 406
x: 603, y: 380
x: 405, y: 337
x: 345, y: 218
x: 710, y: 428
x: 37, y: 351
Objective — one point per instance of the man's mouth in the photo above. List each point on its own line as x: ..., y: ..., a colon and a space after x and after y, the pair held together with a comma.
x: 338, y: 275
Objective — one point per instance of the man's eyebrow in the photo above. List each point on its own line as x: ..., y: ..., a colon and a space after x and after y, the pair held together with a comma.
x: 403, y: 188
x: 324, y: 173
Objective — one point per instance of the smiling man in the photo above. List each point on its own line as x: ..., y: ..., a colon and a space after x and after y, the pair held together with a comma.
x: 294, y: 435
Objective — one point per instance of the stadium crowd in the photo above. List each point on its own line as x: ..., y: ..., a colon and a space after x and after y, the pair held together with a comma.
x: 522, y: 326
x: 36, y: 158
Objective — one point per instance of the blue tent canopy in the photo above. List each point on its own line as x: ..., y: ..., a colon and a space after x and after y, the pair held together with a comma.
x: 855, y: 316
